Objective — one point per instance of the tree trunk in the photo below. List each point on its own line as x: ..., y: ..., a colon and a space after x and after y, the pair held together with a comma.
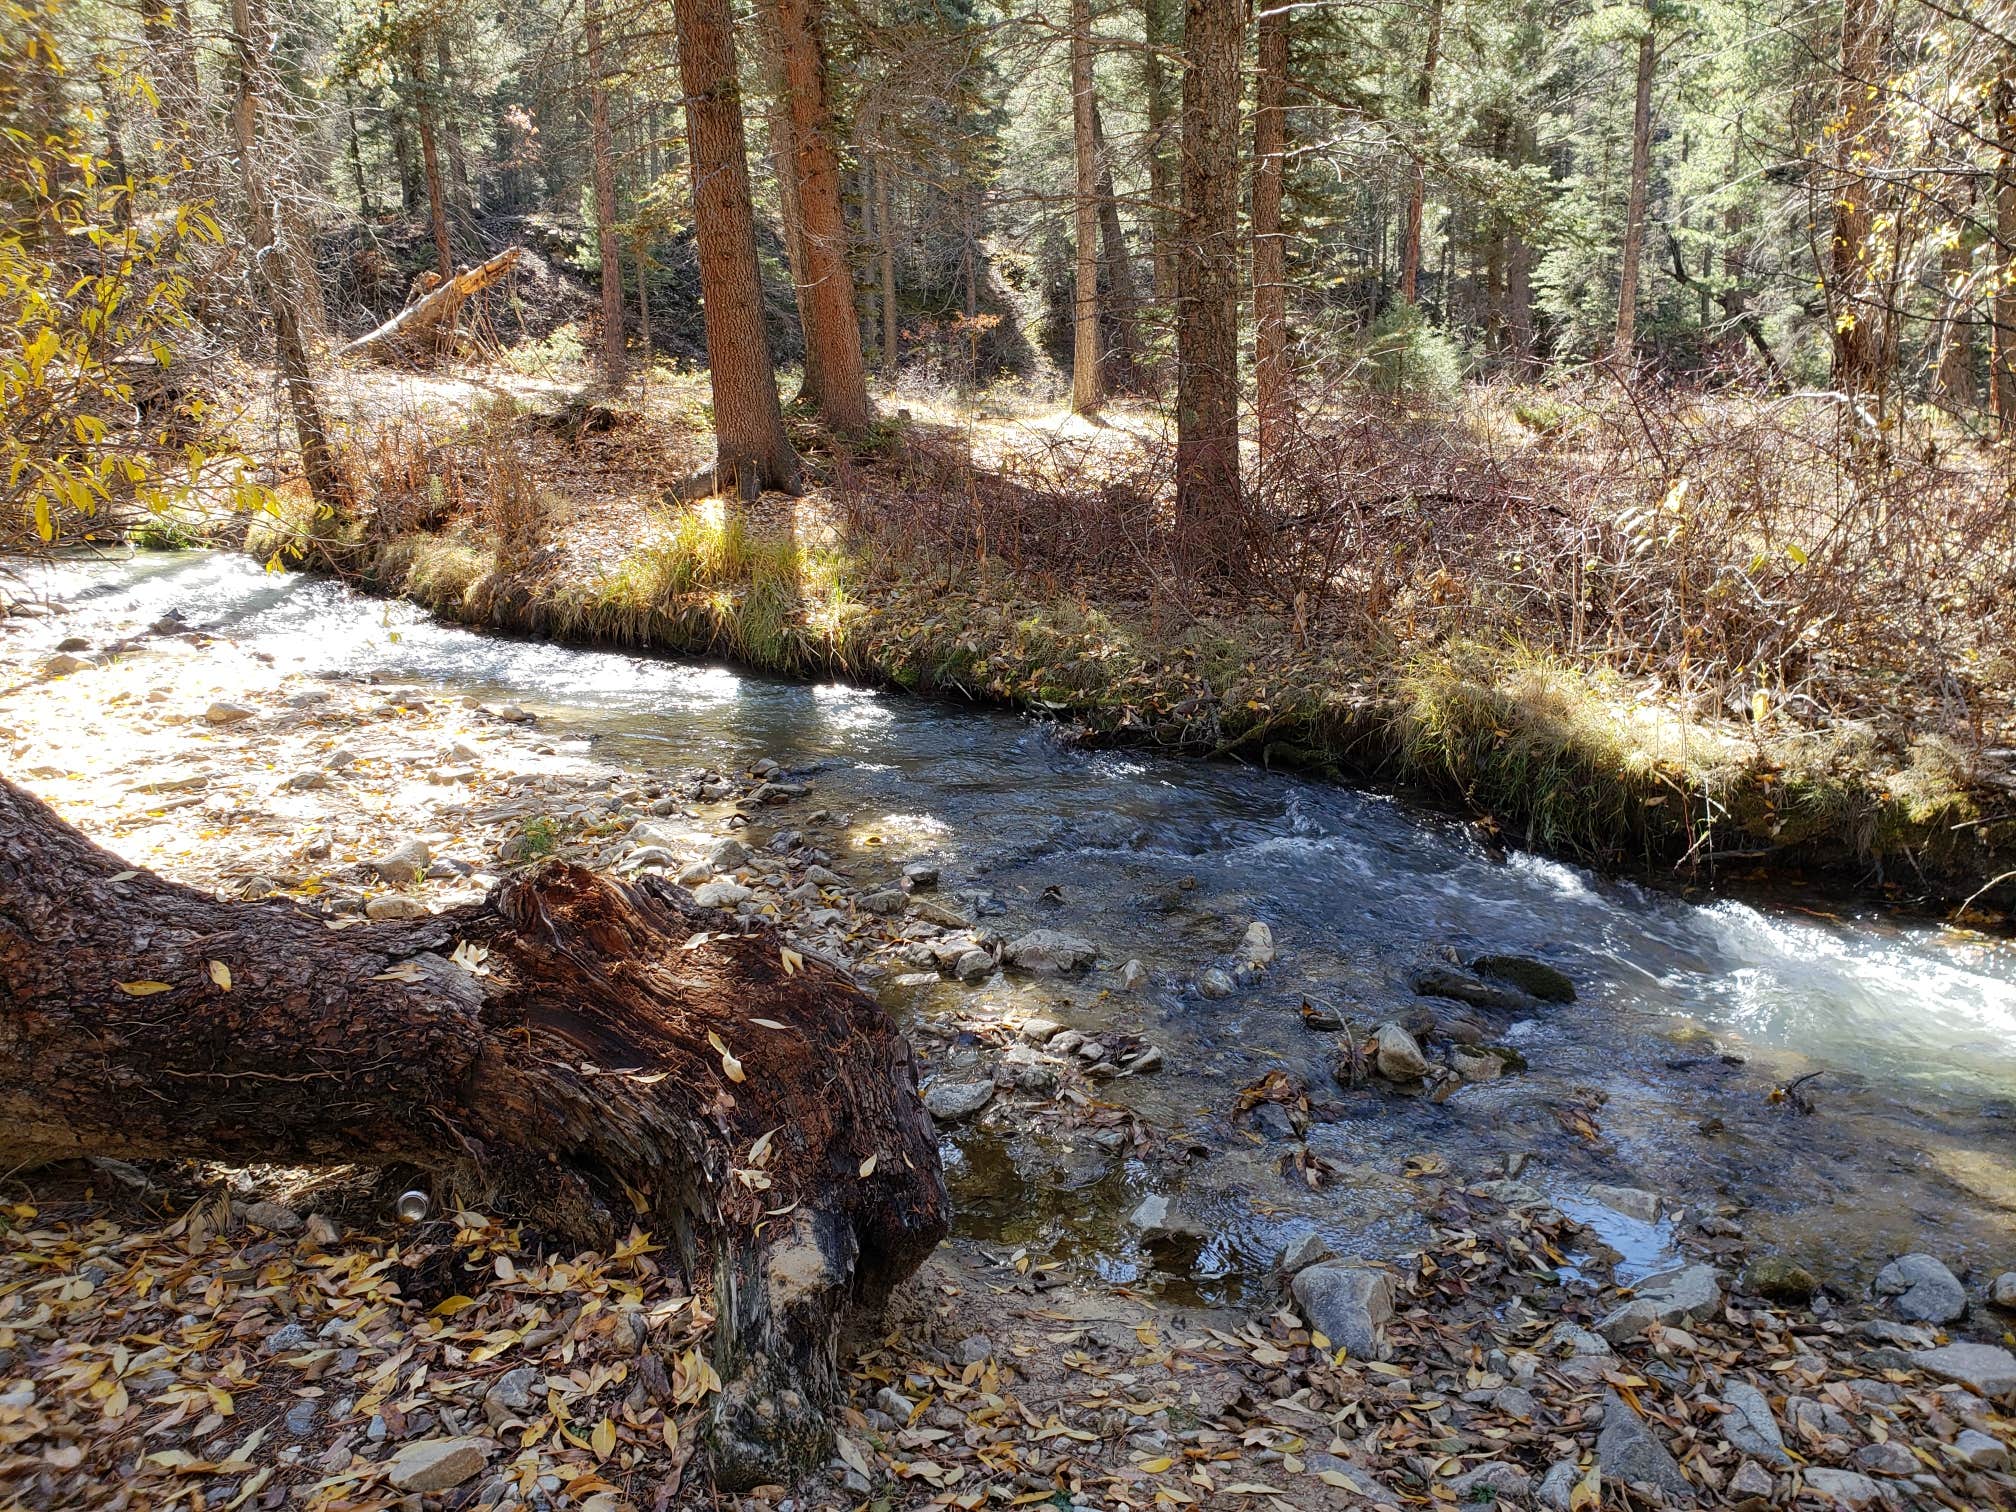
x: 1209, y: 498
x: 1155, y: 18
x: 1417, y: 189
x: 751, y: 449
x: 355, y: 152
x: 430, y: 159
x: 461, y: 193
x: 602, y: 150
x: 1123, y: 351
x: 571, y: 1084
x: 1270, y: 241
x: 1856, y: 337
x: 2002, y: 309
x: 885, y: 231
x: 1953, y: 379
x: 1634, y: 210
x: 1088, y: 383
x: 252, y: 38
x: 641, y: 260
x: 826, y: 298
x: 784, y: 166
x: 425, y: 317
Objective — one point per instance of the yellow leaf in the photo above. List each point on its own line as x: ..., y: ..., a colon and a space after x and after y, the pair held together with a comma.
x: 766, y: 1023
x: 868, y: 1167
x: 1157, y: 1465
x: 730, y: 1066
x: 791, y: 959
x: 221, y: 975
x: 453, y: 1305
x: 1588, y: 1491
x: 603, y: 1440
x: 144, y: 989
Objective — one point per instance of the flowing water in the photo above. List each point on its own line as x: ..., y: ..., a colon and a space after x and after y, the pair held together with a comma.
x: 1689, y: 1012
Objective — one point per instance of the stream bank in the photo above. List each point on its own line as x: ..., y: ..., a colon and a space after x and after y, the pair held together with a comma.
x: 285, y: 735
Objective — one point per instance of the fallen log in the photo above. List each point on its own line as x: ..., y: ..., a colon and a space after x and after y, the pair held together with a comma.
x: 426, y: 315
x: 572, y: 1052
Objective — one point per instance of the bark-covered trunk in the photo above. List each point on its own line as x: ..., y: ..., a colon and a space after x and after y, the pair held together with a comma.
x: 1156, y: 16
x: 751, y: 449
x: 1857, y: 339
x: 1417, y: 188
x: 430, y: 161
x: 273, y: 271
x: 602, y: 157
x: 784, y: 168
x: 826, y: 293
x: 1270, y: 243
x: 1953, y: 375
x: 1122, y: 303
x: 571, y: 1083
x: 885, y: 235
x: 1209, y: 500
x: 2002, y: 309
x: 1088, y: 383
x: 1634, y: 210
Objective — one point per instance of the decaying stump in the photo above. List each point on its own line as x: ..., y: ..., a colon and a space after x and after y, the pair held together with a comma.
x: 568, y: 1081
x: 422, y: 322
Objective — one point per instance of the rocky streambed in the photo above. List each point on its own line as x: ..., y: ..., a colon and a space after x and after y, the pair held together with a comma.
x: 1299, y: 1145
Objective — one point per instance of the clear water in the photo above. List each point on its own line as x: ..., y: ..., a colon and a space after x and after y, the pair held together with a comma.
x: 1912, y: 1026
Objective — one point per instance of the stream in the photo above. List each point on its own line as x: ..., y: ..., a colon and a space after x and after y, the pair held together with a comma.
x: 1688, y: 1014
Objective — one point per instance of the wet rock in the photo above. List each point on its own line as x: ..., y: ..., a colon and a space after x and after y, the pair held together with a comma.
x: 437, y: 1464
x: 949, y: 1102
x: 1679, y: 1296
x: 2002, y: 1293
x: 1751, y: 1481
x: 1844, y: 1487
x: 1981, y: 1450
x: 919, y: 875
x: 1778, y: 1279
x: 223, y: 712
x: 1024, y: 1068
x: 405, y: 862
x: 1557, y: 1486
x: 1051, y: 952
x: 1986, y: 1368
x: 1398, y: 1055
x: 1749, y: 1427
x: 1214, y: 983
x: 1257, y: 947
x: 886, y: 902
x: 1534, y: 978
x: 385, y: 909
x: 1304, y: 1252
x: 62, y: 664
x: 1922, y: 1289
x: 1494, y: 1480
x: 1039, y: 1031
x: 1133, y: 977
x: 1321, y: 1017
x: 1475, y: 1065
x: 1462, y: 987
x: 1348, y: 1304
x: 972, y: 964
x: 1632, y: 1202
x: 1272, y: 1121
x: 1628, y: 1450
x: 274, y: 1217
x: 721, y: 893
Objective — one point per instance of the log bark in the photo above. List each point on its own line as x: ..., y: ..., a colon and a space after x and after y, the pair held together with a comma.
x: 424, y: 317
x: 572, y: 1083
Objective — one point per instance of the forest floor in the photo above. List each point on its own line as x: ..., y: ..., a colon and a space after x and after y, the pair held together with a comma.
x: 989, y: 547
x: 215, y: 1337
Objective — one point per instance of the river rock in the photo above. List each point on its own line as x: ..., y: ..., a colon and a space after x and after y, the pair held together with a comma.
x: 1348, y: 1304
x: 1051, y: 952
x: 1844, y: 1487
x: 1680, y: 1296
x: 437, y: 1464
x: 1462, y: 987
x: 728, y: 854
x: 1750, y: 1482
x: 1632, y: 1202
x: 1749, y: 1427
x: 1257, y: 948
x: 1133, y: 977
x: 721, y: 893
x: 387, y: 908
x: 224, y: 712
x: 972, y: 964
x: 1023, y: 1067
x: 1475, y: 1065
x: 2002, y: 1293
x: 1628, y: 1450
x: 1982, y: 1451
x: 404, y: 863
x: 919, y: 875
x: 1494, y: 1480
x: 886, y: 902
x: 1986, y: 1368
x: 1213, y: 983
x: 949, y: 1102
x: 62, y: 664
x: 1303, y: 1252
x: 1922, y: 1288
x: 1778, y: 1279
x: 1557, y: 1486
x: 1534, y: 978
x: 1398, y: 1055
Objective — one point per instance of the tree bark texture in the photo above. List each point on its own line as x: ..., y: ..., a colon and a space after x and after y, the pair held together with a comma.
x: 1417, y: 190
x: 1634, y: 211
x: 885, y: 233
x: 1156, y: 31
x: 2002, y: 309
x: 602, y: 155
x: 573, y: 1083
x: 1116, y: 264
x: 1857, y: 333
x: 751, y: 450
x: 826, y: 295
x: 1088, y: 384
x: 784, y: 166
x: 1270, y: 242
x: 430, y: 160
x: 1209, y: 500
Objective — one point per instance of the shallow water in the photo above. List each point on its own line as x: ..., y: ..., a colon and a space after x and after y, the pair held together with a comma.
x: 1912, y: 1027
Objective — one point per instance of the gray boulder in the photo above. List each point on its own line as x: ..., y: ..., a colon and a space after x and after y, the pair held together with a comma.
x: 405, y: 862
x: 1535, y: 978
x: 949, y: 1102
x: 1922, y: 1289
x: 1986, y: 1368
x: 1051, y: 952
x: 1398, y: 1055
x: 1748, y: 1426
x: 1845, y: 1488
x: 1348, y: 1304
x: 1672, y: 1298
x: 1628, y: 1450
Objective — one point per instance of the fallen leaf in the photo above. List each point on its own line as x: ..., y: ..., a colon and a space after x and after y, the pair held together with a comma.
x: 144, y: 989
x: 221, y: 975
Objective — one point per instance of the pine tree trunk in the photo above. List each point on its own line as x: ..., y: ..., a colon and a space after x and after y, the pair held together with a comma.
x: 751, y: 449
x: 2002, y: 310
x: 1634, y: 212
x: 1954, y: 376
x: 1155, y: 18
x: 461, y: 193
x: 430, y: 160
x: 602, y: 153
x: 252, y: 38
x: 354, y: 150
x: 826, y: 306
x: 885, y: 231
x: 1210, y: 502
x: 572, y: 1080
x: 1116, y: 267
x: 1088, y: 381
x: 1270, y: 242
x: 1417, y: 189
x: 641, y: 260
x: 1857, y: 339
x: 784, y: 167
